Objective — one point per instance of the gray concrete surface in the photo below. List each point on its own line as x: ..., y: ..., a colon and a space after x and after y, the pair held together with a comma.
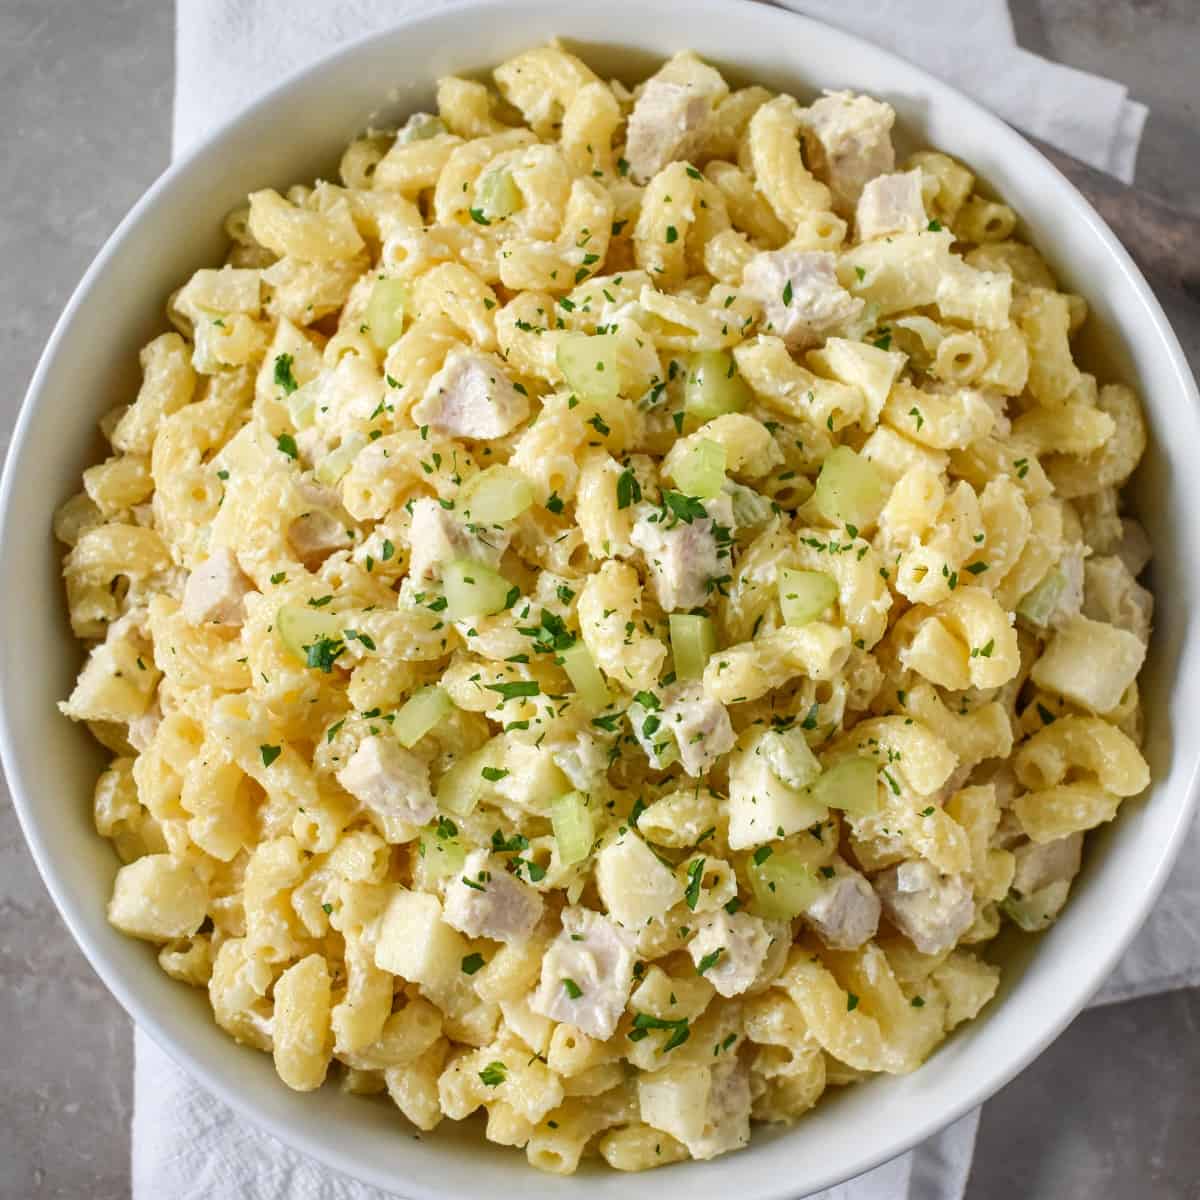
x: 85, y: 92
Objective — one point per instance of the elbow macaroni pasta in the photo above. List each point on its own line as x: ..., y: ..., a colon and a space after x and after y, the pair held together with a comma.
x: 588, y: 633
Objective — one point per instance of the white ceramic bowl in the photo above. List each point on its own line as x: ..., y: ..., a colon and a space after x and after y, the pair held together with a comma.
x: 299, y: 130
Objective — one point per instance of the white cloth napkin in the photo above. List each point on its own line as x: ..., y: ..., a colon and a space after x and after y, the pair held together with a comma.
x: 188, y: 1145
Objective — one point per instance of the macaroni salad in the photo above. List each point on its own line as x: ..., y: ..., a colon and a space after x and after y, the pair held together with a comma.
x: 602, y: 614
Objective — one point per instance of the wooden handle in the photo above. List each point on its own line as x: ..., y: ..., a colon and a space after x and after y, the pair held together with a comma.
x: 1163, y: 240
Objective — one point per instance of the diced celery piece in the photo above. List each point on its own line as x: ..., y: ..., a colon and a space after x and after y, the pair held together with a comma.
x: 589, y: 365
x: 1037, y: 910
x: 849, y: 489
x: 750, y: 510
x: 496, y: 495
x: 334, y: 465
x: 574, y: 829
x: 420, y: 713
x: 462, y: 787
x: 805, y: 595
x: 473, y: 590
x: 701, y: 472
x: 419, y: 127
x: 441, y: 856
x: 1037, y: 605
x: 497, y: 195
x: 385, y: 311
x: 301, y: 406
x: 693, y: 641
x: 784, y: 885
x: 300, y: 626
x: 851, y: 785
x: 585, y: 675
x: 713, y: 386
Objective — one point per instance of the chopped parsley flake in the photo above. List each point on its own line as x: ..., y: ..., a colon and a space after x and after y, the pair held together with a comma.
x: 695, y: 875
x: 512, y: 845
x: 683, y: 508
x: 496, y: 1072
x: 644, y: 1022
x: 629, y: 491
x: 323, y: 653
x: 510, y: 691
x: 283, y: 373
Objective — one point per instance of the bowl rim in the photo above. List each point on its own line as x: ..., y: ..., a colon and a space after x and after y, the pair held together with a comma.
x: 294, y: 86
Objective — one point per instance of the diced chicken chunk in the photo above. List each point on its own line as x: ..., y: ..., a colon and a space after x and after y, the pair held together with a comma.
x: 316, y: 535
x: 437, y: 538
x: 471, y: 397
x: 667, y: 123
x: 1042, y: 880
x: 484, y: 900
x: 1112, y: 595
x: 890, y: 204
x: 596, y: 955
x: 583, y: 760
x: 846, y: 913
x: 998, y: 403
x: 932, y: 910
x: 216, y: 591
x: 1070, y: 598
x: 1003, y: 780
x: 1134, y: 548
x: 699, y: 725
x: 684, y: 557
x: 847, y: 142
x: 1038, y: 865
x: 322, y: 529
x: 384, y: 777
x: 142, y: 729
x: 727, y: 1119
x: 955, y: 782
x: 803, y: 303
x: 312, y: 445
x: 730, y: 949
